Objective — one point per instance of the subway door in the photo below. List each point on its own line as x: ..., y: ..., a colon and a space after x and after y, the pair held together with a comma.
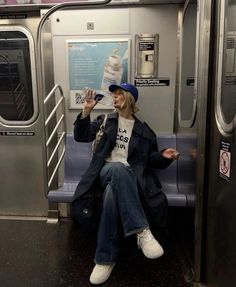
x: 185, y: 128
x: 21, y: 125
x: 221, y: 209
x: 191, y: 125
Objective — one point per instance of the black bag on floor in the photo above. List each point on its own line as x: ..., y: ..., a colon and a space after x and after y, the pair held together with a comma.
x: 86, y: 211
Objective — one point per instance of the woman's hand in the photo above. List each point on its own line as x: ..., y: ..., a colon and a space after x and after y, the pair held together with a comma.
x: 89, y: 102
x: 170, y: 153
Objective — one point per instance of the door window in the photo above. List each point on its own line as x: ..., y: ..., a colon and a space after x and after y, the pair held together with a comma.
x: 228, y: 87
x: 225, y: 100
x: 17, y: 91
x: 187, y: 99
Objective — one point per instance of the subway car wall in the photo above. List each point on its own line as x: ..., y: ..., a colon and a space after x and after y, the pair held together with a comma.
x: 156, y: 103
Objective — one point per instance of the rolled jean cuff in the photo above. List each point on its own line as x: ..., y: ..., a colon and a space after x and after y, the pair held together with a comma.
x: 136, y: 231
x: 104, y: 263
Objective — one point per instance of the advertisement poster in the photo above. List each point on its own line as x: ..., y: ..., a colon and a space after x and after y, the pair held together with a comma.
x: 96, y: 65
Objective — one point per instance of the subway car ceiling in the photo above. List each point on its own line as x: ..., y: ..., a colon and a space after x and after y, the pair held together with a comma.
x: 33, y: 7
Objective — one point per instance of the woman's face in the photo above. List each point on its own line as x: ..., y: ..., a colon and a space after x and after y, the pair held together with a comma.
x: 118, y: 99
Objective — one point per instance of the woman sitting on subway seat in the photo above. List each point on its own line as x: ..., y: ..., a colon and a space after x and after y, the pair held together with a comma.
x: 124, y: 163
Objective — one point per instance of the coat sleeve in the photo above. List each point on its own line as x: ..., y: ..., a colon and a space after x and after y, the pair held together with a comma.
x: 85, y: 130
x: 156, y: 159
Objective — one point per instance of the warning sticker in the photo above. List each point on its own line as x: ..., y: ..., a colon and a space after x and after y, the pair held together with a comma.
x: 224, y: 162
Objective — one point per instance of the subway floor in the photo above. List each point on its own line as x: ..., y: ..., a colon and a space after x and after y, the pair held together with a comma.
x: 38, y: 254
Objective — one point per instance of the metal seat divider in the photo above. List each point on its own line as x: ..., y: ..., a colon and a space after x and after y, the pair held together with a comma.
x: 53, y: 212
x: 60, y: 102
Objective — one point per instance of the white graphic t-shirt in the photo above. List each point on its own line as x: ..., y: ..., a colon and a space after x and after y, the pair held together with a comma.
x: 120, y: 151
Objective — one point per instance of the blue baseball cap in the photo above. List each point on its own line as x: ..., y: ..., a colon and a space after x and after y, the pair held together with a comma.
x: 126, y: 87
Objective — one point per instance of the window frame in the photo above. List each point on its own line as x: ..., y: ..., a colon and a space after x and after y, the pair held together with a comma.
x: 226, y: 129
x: 26, y: 32
x: 187, y: 123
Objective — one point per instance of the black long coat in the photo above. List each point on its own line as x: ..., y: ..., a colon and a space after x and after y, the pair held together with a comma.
x: 143, y: 157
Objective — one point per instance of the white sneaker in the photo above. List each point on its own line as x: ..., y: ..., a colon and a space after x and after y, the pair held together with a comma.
x: 100, y: 273
x: 149, y: 245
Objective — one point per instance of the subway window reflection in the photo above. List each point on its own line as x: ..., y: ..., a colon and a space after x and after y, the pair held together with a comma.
x: 16, y: 95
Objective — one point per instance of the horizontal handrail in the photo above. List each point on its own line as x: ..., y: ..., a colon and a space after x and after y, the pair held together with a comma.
x: 53, y: 111
x: 54, y: 130
x: 56, y: 167
x: 52, y: 93
x: 56, y: 148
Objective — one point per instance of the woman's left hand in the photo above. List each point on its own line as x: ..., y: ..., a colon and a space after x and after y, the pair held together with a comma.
x: 170, y: 153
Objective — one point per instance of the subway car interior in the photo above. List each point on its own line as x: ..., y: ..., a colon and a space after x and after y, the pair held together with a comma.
x: 181, y: 55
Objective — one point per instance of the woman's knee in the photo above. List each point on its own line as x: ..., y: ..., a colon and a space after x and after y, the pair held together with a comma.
x: 118, y: 168
x: 110, y: 170
x: 116, y: 174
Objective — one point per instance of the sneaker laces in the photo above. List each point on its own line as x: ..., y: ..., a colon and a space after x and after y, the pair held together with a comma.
x: 145, y: 235
x: 103, y: 266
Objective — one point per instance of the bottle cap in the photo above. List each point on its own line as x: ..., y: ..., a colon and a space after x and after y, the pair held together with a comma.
x: 98, y: 97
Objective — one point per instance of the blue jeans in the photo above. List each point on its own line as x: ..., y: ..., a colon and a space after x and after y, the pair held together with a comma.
x: 121, y: 204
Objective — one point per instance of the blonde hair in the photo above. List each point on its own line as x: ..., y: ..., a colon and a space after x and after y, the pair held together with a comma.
x: 129, y: 102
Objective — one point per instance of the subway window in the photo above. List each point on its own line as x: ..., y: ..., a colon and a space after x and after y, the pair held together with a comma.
x: 187, y: 73
x: 228, y: 99
x: 16, y: 92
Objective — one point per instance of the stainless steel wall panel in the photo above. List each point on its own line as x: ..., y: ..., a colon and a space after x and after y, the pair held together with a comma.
x: 22, y: 165
x: 221, y: 205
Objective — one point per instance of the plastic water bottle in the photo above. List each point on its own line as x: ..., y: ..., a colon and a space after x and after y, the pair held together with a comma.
x: 102, y: 97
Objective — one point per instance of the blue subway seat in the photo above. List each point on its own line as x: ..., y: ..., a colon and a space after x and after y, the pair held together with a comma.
x: 77, y: 159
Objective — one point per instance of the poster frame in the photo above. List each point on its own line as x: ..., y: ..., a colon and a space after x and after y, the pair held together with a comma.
x: 71, y: 93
